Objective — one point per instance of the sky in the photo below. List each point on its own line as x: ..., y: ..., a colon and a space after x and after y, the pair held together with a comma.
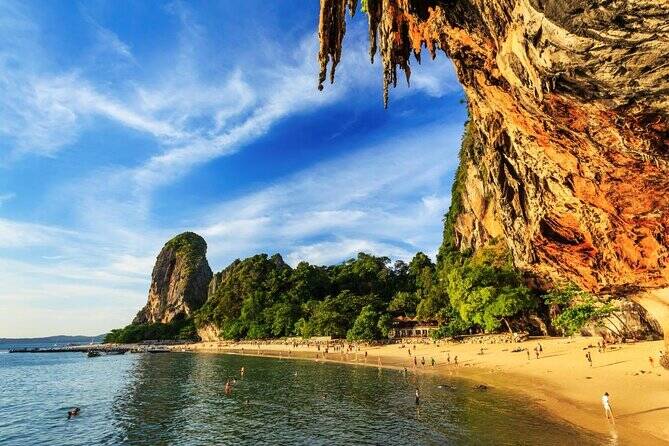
x: 124, y: 123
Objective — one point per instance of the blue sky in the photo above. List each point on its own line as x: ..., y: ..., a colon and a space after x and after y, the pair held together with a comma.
x: 123, y: 123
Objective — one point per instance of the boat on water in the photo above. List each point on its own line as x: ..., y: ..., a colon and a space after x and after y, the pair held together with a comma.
x: 93, y: 354
x: 115, y: 352
x: 158, y: 350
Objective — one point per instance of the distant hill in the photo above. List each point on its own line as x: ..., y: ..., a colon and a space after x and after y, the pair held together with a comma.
x: 60, y: 339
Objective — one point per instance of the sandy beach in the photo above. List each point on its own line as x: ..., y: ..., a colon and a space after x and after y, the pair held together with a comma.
x: 562, y: 380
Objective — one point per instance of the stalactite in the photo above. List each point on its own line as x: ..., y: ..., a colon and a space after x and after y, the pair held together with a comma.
x: 578, y: 184
x: 390, y: 26
x: 331, y: 30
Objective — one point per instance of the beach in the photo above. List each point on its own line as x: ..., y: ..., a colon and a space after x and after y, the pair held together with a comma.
x: 562, y: 380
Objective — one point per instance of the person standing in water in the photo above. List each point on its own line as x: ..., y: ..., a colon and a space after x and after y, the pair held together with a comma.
x: 241, y: 372
x: 417, y: 397
x: 607, y: 407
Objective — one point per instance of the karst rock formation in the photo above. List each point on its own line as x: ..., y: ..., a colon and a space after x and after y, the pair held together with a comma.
x: 569, y: 103
x: 179, y: 280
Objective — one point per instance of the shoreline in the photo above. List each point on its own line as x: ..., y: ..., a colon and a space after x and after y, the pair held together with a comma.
x: 560, y: 381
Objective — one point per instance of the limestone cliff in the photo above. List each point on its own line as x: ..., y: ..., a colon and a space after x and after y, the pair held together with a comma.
x: 569, y: 103
x: 179, y: 280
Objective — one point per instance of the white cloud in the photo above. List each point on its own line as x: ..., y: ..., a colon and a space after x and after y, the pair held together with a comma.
x: 384, y: 198
x: 384, y: 195
x: 15, y: 234
x: 325, y: 253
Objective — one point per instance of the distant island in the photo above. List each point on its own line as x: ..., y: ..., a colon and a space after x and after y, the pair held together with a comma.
x: 58, y: 339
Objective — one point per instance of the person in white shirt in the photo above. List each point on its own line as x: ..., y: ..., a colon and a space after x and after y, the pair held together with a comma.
x: 607, y: 407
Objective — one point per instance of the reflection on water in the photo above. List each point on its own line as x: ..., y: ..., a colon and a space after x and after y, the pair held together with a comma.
x: 179, y: 399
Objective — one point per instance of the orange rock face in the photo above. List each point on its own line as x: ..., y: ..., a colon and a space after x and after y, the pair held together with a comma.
x: 569, y: 100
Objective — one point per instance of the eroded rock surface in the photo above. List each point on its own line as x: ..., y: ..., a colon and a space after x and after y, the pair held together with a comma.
x: 179, y: 280
x: 569, y: 101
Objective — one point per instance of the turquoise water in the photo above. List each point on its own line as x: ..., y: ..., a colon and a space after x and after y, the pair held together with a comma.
x: 179, y: 399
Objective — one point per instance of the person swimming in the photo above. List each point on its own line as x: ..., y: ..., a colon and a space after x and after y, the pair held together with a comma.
x: 73, y: 412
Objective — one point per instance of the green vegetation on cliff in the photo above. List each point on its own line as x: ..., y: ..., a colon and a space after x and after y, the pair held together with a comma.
x: 468, y: 151
x: 176, y: 330
x: 263, y: 297
x: 189, y: 246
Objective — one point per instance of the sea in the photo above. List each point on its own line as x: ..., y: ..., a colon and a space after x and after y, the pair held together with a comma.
x: 180, y: 399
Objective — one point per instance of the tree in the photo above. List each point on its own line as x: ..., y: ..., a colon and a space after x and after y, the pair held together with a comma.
x: 365, y: 327
x: 573, y: 308
x: 328, y: 319
x: 385, y: 324
x: 486, y: 295
x: 404, y: 302
x: 282, y: 318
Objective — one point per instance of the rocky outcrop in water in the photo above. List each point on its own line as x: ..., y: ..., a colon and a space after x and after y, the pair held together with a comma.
x: 569, y: 105
x: 179, y: 280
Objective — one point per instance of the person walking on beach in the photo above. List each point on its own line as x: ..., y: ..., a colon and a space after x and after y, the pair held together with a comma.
x: 588, y: 356
x: 536, y: 352
x: 422, y: 361
x: 607, y: 407
x: 432, y: 361
x: 417, y: 397
x: 455, y: 360
x: 528, y: 353
x: 415, y: 362
x: 448, y: 358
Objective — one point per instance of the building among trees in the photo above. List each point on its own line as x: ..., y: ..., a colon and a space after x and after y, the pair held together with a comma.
x: 411, y: 327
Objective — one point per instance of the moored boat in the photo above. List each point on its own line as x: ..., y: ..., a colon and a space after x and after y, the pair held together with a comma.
x: 158, y: 350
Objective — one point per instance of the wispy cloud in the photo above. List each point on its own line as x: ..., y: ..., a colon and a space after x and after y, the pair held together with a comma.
x: 386, y: 197
x: 380, y: 196
x: 6, y: 197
